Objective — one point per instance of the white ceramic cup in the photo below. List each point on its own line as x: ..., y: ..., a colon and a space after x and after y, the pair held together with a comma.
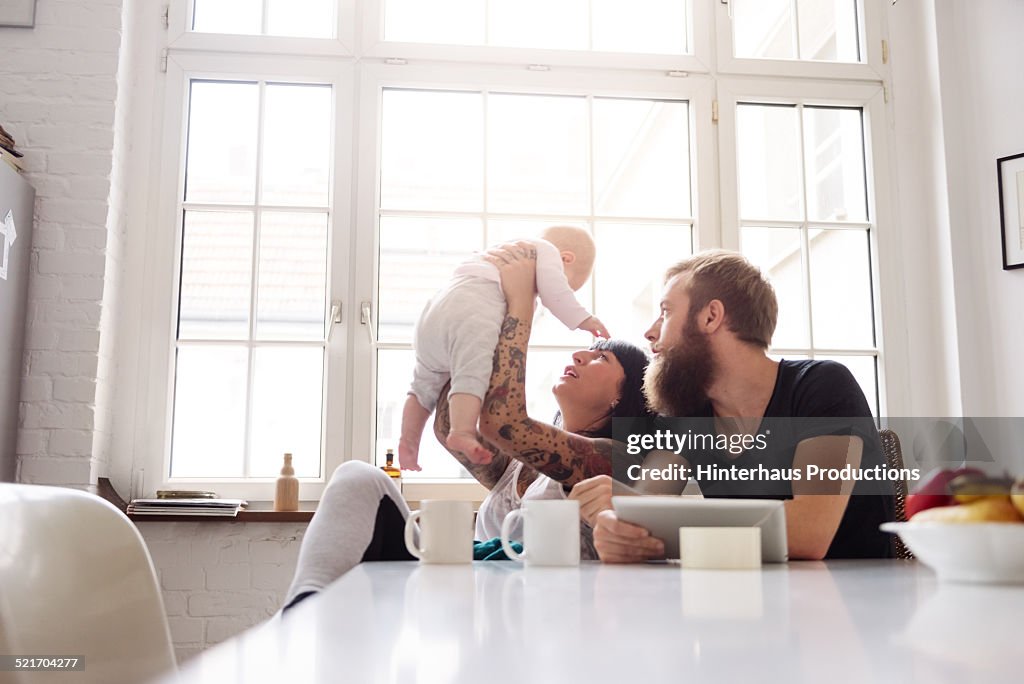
x: 446, y: 532
x: 551, y: 532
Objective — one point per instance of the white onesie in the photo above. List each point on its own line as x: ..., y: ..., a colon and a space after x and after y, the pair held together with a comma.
x: 457, y: 332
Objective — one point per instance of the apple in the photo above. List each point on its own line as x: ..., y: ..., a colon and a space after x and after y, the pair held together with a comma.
x: 934, y: 490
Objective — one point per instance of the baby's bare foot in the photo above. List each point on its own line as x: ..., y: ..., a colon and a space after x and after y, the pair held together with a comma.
x: 408, y: 455
x: 466, y: 443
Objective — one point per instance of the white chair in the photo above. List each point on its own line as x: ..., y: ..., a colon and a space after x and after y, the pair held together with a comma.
x: 76, y: 580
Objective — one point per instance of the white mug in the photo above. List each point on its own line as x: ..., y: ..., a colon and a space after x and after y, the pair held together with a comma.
x: 446, y: 532
x: 551, y: 532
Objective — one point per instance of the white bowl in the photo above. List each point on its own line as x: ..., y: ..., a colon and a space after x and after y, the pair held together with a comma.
x: 984, y: 552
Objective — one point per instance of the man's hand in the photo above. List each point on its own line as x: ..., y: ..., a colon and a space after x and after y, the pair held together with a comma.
x: 622, y: 542
x: 594, y: 495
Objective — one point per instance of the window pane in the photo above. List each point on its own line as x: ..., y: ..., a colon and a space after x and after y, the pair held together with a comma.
x: 417, y: 257
x: 216, y: 275
x: 222, y: 123
x: 841, y: 306
x: 432, y: 154
x: 538, y: 24
x: 834, y: 150
x: 864, y: 369
x: 394, y: 373
x: 828, y: 30
x: 227, y: 16
x: 455, y: 22
x: 304, y: 18
x: 292, y: 276
x: 777, y: 252
x: 537, y: 154
x: 297, y: 145
x: 301, y: 18
x: 639, y: 26
x: 628, y: 298
x: 764, y: 29
x: 209, y: 412
x: 641, y: 158
x: 768, y: 160
x: 814, y: 30
x: 287, y: 398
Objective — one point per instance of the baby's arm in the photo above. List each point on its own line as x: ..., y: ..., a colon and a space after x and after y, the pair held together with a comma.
x: 595, y: 327
x: 553, y: 288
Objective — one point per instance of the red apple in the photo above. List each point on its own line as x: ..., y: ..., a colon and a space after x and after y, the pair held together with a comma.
x: 934, y: 490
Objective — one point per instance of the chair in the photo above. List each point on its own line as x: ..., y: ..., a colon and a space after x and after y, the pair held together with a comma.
x: 76, y: 580
x: 894, y: 458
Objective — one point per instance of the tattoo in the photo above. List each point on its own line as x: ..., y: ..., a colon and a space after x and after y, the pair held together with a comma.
x: 508, y: 328
x: 505, y: 431
x: 518, y: 362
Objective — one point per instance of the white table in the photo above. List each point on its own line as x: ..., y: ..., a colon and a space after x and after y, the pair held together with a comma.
x: 841, y: 621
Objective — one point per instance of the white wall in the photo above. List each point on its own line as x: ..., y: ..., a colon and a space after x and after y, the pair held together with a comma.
x: 981, y: 62
x: 78, y: 94
x: 58, y: 88
x: 220, y: 578
x: 922, y: 213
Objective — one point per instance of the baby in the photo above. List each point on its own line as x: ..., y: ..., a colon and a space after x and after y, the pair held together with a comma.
x: 458, y: 330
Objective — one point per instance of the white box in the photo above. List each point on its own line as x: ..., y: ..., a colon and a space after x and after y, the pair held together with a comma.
x: 720, y: 548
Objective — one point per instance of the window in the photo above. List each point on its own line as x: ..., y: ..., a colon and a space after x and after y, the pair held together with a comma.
x: 327, y: 186
x: 463, y: 169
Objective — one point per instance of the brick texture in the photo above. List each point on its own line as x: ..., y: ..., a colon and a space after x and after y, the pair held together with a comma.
x: 220, y: 578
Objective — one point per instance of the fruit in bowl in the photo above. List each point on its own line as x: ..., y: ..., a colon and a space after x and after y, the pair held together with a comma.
x: 1017, y: 495
x: 969, y: 528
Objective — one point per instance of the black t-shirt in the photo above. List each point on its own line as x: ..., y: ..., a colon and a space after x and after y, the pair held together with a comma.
x: 825, y: 393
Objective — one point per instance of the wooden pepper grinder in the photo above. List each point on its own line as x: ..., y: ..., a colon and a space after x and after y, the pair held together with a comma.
x: 286, y: 497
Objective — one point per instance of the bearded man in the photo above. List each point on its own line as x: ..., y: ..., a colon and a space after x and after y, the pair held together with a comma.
x: 718, y: 314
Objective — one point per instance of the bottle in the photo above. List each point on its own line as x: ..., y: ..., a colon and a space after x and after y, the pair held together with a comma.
x: 286, y: 497
x: 389, y: 468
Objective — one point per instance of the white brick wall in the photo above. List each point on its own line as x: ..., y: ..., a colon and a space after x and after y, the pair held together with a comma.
x: 220, y: 578
x: 58, y: 98
x: 70, y: 90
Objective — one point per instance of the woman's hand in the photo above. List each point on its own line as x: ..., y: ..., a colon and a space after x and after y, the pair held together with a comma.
x: 517, y: 264
x: 594, y: 495
x: 621, y: 542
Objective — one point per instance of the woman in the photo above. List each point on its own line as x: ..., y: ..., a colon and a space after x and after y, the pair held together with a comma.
x: 361, y: 516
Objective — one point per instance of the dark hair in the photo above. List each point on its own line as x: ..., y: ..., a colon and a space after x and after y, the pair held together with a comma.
x: 632, y: 403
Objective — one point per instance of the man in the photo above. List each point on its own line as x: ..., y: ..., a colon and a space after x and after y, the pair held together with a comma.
x: 718, y: 314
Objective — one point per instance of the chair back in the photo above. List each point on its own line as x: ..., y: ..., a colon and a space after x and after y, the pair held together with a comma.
x: 894, y: 458
x: 76, y: 580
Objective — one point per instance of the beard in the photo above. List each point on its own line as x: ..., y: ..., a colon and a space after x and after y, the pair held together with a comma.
x: 676, y: 381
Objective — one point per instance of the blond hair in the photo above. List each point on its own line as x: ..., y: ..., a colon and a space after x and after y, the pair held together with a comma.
x: 575, y: 240
x: 751, y: 308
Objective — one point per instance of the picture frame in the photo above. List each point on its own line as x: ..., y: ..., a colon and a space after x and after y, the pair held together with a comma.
x: 1010, y: 174
x: 18, y: 13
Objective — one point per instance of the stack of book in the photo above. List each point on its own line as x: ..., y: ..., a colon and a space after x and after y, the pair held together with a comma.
x: 200, y: 506
x: 7, y: 151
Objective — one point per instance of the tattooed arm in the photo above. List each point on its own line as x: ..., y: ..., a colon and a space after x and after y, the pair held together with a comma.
x: 561, y: 455
x: 486, y: 474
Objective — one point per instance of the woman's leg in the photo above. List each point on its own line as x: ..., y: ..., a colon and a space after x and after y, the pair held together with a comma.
x: 361, y: 517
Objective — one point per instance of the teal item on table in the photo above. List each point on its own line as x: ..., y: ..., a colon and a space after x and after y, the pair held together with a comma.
x: 491, y: 550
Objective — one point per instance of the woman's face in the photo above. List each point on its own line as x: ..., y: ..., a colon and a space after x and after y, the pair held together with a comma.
x: 591, y: 382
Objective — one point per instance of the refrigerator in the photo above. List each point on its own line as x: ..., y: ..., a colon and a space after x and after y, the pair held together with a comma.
x: 16, y: 200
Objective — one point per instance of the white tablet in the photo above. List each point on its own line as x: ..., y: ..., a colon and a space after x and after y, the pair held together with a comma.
x: 664, y: 515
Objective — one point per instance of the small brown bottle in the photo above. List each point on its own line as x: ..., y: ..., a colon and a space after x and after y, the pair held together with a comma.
x: 389, y: 468
x: 286, y: 496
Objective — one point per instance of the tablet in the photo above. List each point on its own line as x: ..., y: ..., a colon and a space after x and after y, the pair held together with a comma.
x: 664, y: 515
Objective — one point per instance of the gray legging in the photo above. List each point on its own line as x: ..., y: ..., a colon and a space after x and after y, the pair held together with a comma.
x: 361, y: 517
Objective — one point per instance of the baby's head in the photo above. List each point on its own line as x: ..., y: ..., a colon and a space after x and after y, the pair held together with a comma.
x: 577, y: 250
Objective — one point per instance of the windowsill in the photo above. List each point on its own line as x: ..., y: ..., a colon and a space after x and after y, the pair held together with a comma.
x: 258, y: 511
x: 262, y: 511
